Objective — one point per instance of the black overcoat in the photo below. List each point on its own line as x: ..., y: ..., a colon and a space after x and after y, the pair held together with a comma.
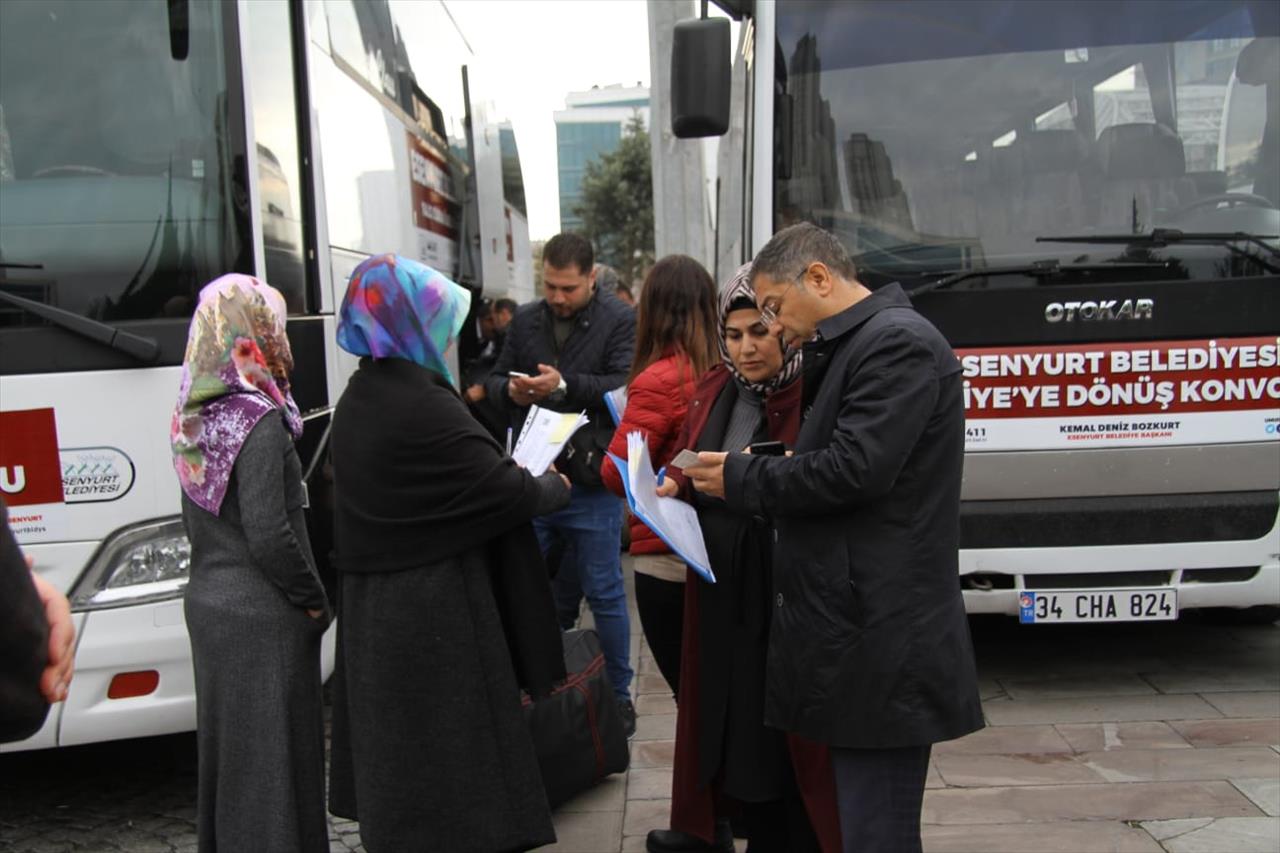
x: 594, y: 359
x: 444, y: 612
x: 869, y: 645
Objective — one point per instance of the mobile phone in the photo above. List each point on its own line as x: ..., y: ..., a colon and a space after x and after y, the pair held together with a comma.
x: 683, y: 460
x: 767, y: 448
x: 515, y: 374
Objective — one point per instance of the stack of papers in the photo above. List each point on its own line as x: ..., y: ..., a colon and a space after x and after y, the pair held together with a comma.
x: 616, y: 400
x: 543, y: 436
x: 674, y: 521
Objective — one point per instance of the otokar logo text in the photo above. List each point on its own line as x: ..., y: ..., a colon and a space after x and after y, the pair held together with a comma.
x: 1103, y: 309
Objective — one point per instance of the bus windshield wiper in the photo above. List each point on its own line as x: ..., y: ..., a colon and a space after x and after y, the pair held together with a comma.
x: 1159, y: 238
x: 143, y: 349
x: 1035, y: 269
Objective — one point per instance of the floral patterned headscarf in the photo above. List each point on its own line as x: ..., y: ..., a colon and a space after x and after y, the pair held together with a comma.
x: 234, y: 373
x: 399, y: 308
x: 739, y: 287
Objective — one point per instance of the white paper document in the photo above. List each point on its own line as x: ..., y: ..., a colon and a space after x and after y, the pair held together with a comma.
x: 616, y: 400
x: 543, y: 436
x: 673, y: 520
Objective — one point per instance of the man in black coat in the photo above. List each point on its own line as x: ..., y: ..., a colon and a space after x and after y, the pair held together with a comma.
x: 869, y: 649
x: 575, y: 345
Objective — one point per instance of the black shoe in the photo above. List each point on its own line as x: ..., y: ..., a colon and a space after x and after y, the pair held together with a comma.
x: 627, y: 712
x: 674, y: 841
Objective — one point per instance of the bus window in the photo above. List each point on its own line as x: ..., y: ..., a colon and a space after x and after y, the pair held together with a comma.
x: 122, y: 205
x: 275, y: 128
x: 1202, y: 71
x: 364, y: 36
x: 368, y: 37
x: 512, y: 178
x: 1249, y: 103
x: 955, y: 141
x: 1123, y: 98
x: 1060, y: 117
x: 438, y: 61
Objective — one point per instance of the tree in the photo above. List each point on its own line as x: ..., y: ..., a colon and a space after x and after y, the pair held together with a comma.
x: 617, y: 204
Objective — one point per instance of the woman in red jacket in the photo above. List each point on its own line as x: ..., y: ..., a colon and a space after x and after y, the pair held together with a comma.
x: 675, y: 344
x: 778, y: 788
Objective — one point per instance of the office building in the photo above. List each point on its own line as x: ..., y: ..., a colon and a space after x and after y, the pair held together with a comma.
x: 591, y: 124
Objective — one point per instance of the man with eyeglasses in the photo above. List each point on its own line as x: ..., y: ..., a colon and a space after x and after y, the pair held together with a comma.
x: 869, y: 650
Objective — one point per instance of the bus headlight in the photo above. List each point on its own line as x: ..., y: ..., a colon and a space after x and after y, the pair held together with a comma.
x: 145, y: 563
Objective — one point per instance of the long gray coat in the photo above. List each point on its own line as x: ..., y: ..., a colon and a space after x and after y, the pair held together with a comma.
x: 259, y: 719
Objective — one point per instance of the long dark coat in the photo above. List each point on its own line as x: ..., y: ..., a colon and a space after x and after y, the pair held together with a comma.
x: 722, y: 743
x: 870, y: 644
x: 431, y: 751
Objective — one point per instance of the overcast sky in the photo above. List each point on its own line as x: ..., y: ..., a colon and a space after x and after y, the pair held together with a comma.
x: 541, y: 51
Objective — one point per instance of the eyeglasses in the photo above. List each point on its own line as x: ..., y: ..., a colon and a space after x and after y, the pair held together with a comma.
x: 772, y: 305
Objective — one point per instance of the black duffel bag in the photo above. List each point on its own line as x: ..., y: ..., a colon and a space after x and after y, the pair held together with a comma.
x: 577, y: 732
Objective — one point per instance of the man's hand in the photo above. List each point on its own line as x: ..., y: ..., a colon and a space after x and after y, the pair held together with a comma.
x: 56, y: 677
x: 475, y: 393
x: 534, y: 389
x: 708, y: 475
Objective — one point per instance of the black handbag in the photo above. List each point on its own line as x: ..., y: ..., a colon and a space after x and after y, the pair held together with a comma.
x: 584, y: 453
x: 576, y: 729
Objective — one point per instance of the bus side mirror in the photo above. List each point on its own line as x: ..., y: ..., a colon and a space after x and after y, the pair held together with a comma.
x: 700, y: 66
x: 179, y: 29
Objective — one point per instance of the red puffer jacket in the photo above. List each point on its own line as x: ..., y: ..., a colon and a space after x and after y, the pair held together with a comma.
x: 657, y: 401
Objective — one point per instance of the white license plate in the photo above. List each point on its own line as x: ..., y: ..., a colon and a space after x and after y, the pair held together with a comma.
x: 1097, y: 605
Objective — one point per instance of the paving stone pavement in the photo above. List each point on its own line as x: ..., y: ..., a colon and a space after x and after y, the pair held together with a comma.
x: 1159, y: 737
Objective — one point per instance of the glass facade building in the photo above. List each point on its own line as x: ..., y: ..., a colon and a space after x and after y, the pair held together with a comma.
x: 591, y: 125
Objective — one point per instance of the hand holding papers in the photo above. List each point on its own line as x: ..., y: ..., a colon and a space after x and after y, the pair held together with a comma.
x: 543, y: 436
x: 674, y: 521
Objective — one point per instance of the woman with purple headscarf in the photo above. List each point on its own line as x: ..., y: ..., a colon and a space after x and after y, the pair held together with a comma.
x: 255, y: 607
x: 445, y: 604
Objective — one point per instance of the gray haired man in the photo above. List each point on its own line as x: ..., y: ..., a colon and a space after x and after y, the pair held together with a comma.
x: 869, y: 650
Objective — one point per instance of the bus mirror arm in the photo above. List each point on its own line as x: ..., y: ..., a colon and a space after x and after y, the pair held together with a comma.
x: 145, y: 350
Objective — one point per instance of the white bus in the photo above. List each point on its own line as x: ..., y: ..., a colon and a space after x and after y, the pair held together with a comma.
x: 1066, y: 191
x: 147, y: 147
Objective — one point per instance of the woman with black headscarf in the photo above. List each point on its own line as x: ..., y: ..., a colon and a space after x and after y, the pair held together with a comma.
x: 445, y: 607
x: 728, y: 764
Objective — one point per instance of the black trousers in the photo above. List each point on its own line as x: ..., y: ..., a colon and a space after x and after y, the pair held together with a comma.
x: 778, y: 826
x: 661, y: 607
x: 879, y: 793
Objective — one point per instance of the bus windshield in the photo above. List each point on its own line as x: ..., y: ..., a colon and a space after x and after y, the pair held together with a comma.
x: 121, y: 156
x: 934, y: 137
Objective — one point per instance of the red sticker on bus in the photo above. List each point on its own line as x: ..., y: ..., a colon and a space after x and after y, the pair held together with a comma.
x: 1211, y: 391
x: 1122, y: 379
x: 30, y: 469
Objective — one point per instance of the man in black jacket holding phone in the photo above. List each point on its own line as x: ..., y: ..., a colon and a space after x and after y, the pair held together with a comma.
x: 869, y: 647
x: 573, y: 346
